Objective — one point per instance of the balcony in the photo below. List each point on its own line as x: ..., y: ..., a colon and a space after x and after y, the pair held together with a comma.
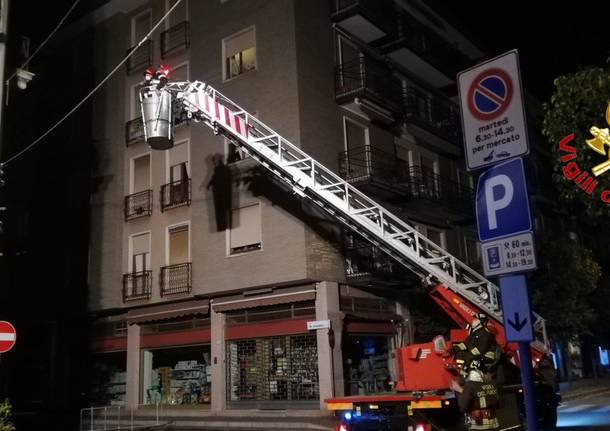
x: 369, y: 87
x: 176, y: 279
x: 368, y: 20
x: 137, y: 285
x: 432, y: 112
x: 425, y: 52
x: 175, y: 40
x: 374, y: 171
x: 138, y: 205
x: 141, y: 59
x: 428, y: 185
x: 176, y: 194
x: 134, y: 131
x: 365, y: 264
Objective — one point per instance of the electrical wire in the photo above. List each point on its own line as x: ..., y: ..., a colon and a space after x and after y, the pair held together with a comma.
x: 44, y: 42
x: 97, y: 87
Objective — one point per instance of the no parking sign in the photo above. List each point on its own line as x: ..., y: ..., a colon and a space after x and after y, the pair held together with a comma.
x: 493, y: 118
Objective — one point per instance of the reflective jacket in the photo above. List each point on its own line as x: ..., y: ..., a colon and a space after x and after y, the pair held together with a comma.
x: 479, y: 401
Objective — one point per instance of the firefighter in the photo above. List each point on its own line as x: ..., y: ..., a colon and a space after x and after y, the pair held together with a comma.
x: 478, y: 398
x: 480, y: 345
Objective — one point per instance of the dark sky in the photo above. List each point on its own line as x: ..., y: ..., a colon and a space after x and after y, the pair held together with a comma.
x: 553, y: 37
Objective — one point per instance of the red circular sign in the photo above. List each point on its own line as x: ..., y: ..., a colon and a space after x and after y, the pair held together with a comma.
x: 490, y: 94
x: 8, y: 336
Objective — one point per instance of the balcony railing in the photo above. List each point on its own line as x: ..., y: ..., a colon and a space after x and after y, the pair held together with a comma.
x: 141, y: 59
x: 134, y: 131
x: 137, y: 285
x: 426, y: 184
x: 176, y: 39
x: 364, y: 263
x: 176, y: 279
x: 176, y: 194
x: 433, y: 112
x: 368, y: 79
x: 138, y: 205
x: 366, y: 19
x: 368, y: 163
x: 370, y: 166
x: 428, y: 45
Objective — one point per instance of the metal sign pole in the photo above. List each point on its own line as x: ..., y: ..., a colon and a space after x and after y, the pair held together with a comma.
x: 527, y: 380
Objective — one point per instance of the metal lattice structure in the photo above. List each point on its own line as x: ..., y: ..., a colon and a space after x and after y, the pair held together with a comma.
x: 310, y: 179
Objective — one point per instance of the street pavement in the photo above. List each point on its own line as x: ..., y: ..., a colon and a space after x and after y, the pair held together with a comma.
x: 587, y: 413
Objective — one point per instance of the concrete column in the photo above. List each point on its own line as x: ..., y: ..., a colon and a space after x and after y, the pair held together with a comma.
x: 219, y: 382
x: 330, y: 361
x: 133, y: 365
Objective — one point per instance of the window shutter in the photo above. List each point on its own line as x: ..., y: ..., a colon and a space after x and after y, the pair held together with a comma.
x: 246, y: 226
x: 239, y: 43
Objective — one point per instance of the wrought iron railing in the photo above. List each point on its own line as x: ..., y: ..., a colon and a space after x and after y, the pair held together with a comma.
x: 367, y: 78
x: 431, y: 111
x: 134, y: 131
x: 427, y: 184
x: 176, y: 194
x: 141, y: 59
x: 176, y: 279
x: 370, y: 163
x: 137, y: 285
x: 381, y: 13
x: 176, y: 39
x: 138, y: 205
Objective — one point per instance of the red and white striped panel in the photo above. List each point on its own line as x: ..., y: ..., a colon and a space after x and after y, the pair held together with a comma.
x: 219, y: 112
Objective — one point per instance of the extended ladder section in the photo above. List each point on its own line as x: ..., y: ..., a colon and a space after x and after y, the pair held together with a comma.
x: 311, y: 180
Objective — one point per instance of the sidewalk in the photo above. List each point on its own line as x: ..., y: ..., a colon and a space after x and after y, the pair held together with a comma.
x: 584, y: 388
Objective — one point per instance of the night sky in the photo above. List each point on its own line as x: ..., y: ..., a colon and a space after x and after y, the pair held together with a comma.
x: 553, y: 38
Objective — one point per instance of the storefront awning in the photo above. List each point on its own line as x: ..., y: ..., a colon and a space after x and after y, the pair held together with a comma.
x: 283, y: 298
x: 167, y: 311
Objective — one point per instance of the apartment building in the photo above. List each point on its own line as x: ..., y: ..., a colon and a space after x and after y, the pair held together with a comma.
x: 203, y: 276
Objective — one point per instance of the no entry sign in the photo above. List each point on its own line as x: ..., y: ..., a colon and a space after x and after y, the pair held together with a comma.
x: 8, y: 336
x: 493, y: 117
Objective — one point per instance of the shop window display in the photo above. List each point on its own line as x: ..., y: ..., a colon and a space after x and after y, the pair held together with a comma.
x: 367, y: 367
x: 109, y: 379
x: 273, y: 368
x: 177, y: 376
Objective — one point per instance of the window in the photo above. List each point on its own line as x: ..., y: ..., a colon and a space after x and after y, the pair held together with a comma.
x: 465, y: 180
x: 245, y: 234
x: 473, y: 251
x: 356, y: 135
x: 140, y: 173
x: 437, y: 236
x: 239, y: 53
x: 140, y: 26
x: 178, y: 160
x: 178, y: 15
x: 140, y: 253
x: 429, y: 176
x: 179, y: 250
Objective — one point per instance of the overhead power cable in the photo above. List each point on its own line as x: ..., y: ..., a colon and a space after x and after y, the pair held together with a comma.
x: 97, y: 87
x: 44, y: 42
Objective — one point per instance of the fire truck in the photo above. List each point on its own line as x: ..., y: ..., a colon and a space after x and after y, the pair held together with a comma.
x: 421, y: 399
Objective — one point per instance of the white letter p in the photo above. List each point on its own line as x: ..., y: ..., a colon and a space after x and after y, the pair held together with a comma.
x: 493, y: 206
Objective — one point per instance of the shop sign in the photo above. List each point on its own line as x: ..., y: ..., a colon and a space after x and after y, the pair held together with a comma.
x: 318, y: 324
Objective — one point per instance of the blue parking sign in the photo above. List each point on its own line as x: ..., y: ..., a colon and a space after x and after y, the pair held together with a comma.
x: 502, y: 204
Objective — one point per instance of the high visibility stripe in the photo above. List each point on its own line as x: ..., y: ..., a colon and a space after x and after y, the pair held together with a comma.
x: 8, y: 336
x: 475, y: 351
x: 483, y: 402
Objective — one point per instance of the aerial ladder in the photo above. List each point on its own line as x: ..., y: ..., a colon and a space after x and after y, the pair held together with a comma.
x: 461, y: 291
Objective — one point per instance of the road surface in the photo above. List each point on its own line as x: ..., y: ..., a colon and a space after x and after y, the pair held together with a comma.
x: 585, y: 413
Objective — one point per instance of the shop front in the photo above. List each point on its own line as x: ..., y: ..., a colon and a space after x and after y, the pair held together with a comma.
x: 174, y: 354
x: 271, y: 357
x: 108, y: 373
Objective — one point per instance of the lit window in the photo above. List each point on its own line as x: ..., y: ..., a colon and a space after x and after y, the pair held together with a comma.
x: 245, y: 234
x: 239, y: 53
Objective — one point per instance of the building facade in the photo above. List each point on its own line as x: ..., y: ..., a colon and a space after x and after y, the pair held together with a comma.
x: 203, y: 272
